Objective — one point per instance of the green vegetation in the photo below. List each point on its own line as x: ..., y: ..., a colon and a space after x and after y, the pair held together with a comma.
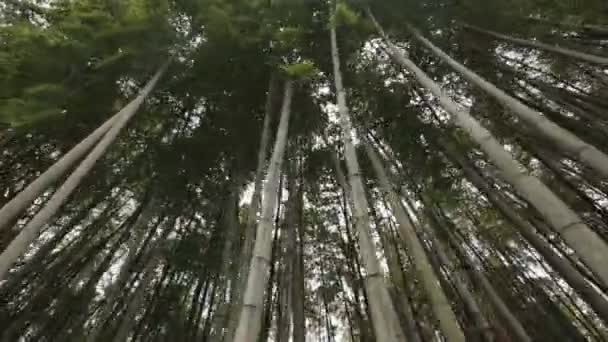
x: 238, y: 170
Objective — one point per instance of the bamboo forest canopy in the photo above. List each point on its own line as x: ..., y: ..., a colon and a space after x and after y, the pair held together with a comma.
x: 303, y: 170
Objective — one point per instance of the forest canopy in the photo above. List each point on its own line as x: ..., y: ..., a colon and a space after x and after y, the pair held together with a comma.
x: 303, y: 170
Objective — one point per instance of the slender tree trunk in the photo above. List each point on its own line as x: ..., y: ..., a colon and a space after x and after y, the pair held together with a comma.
x: 253, y: 301
x: 501, y: 308
x: 252, y: 215
x: 350, y: 252
x: 199, y: 312
x: 564, y: 220
x: 273, y: 274
x: 284, y: 303
x: 31, y: 231
x: 577, y: 104
x: 560, y: 249
x: 555, y: 166
x: 562, y: 138
x: 11, y: 210
x: 231, y: 228
x: 467, y: 296
x: 288, y: 256
x: 384, y: 317
x: 349, y: 320
x: 114, y: 290
x: 128, y: 319
x: 460, y: 284
x: 573, y: 123
x: 207, y: 321
x: 585, y: 57
x: 557, y: 79
x: 586, y: 28
x: 63, y: 316
x: 574, y: 278
x: 133, y: 274
x: 329, y: 329
x: 440, y: 304
x: 298, y: 294
x: 398, y: 291
x: 42, y: 298
x: 399, y: 287
x: 272, y: 279
x: 43, y: 256
x: 194, y: 306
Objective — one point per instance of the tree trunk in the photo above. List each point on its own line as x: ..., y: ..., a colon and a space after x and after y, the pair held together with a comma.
x: 501, y: 308
x: 585, y: 28
x: 43, y: 256
x: 554, y: 165
x: 298, y: 295
x: 585, y: 57
x: 384, y: 318
x: 398, y: 292
x: 563, y: 219
x: 572, y: 276
x: 31, y: 231
x: 252, y: 215
x: 11, y: 210
x: 209, y: 315
x: 298, y: 298
x: 62, y: 270
x: 193, y: 312
x: 440, y: 304
x: 460, y: 284
x: 329, y: 328
x: 199, y: 311
x: 114, y: 290
x: 128, y: 319
x: 354, y: 278
x: 85, y: 294
x: 253, y: 301
x: 230, y: 236
x: 284, y: 304
x: 562, y: 138
x: 272, y: 279
x: 292, y: 271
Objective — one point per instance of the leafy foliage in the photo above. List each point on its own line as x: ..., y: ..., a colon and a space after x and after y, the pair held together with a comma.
x: 304, y: 70
x: 68, y: 65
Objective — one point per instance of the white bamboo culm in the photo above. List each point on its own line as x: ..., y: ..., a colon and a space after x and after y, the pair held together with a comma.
x: 19, y: 245
x: 387, y: 326
x: 563, y: 139
x: 564, y: 221
x: 582, y: 56
x: 440, y: 304
x: 250, y: 321
x: 11, y: 210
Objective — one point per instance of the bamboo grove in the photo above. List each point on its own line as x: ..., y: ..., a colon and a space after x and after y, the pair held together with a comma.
x: 303, y: 170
